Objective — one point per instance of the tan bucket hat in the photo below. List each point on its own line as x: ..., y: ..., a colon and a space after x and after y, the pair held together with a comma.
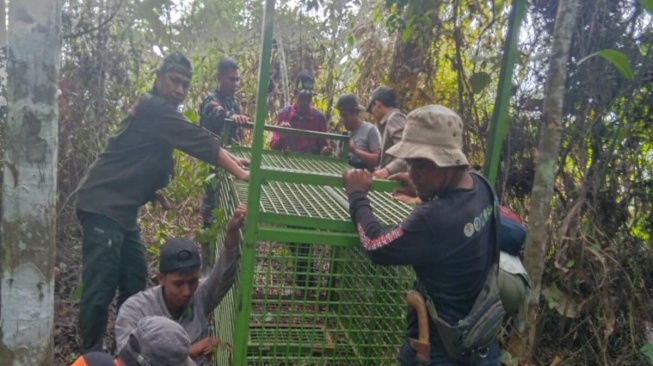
x: 435, y: 133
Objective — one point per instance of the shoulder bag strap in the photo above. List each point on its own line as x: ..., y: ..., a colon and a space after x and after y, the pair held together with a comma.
x: 430, y: 306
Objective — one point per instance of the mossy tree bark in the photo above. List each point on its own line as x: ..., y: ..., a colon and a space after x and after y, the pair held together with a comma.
x: 29, y: 184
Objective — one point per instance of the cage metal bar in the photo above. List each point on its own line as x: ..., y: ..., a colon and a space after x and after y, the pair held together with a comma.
x: 254, y: 191
x: 308, y: 236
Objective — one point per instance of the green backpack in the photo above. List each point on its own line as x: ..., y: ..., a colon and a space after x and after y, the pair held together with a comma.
x: 470, y: 339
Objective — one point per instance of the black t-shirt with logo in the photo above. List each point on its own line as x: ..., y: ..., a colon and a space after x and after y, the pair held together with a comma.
x: 447, y: 240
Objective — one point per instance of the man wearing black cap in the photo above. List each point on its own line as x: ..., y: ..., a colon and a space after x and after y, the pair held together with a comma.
x: 364, y: 137
x: 301, y: 115
x: 383, y: 106
x: 136, y: 162
x: 180, y: 295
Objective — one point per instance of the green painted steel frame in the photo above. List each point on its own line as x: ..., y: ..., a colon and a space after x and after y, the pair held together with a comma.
x: 254, y: 193
x: 258, y: 174
x: 502, y: 103
x: 291, y: 131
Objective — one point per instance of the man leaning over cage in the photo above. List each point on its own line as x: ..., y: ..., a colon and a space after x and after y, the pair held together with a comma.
x: 444, y: 239
x: 134, y: 165
x: 181, y: 295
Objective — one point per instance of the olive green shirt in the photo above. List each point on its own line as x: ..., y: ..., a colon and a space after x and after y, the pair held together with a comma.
x: 137, y: 160
x: 391, y: 128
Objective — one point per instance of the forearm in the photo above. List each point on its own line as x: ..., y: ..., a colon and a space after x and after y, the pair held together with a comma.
x: 227, y: 162
x: 362, y: 215
x: 221, y: 278
x: 392, y: 246
x: 371, y: 159
x: 232, y: 156
x: 397, y: 166
x: 232, y: 239
x: 195, y: 350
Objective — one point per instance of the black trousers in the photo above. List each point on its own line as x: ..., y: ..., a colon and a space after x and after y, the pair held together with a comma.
x: 112, y: 258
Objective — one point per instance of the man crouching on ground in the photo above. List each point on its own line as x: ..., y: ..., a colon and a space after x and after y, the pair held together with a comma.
x: 180, y: 295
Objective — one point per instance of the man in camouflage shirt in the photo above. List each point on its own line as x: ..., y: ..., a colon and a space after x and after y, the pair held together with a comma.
x: 222, y: 103
x: 219, y: 105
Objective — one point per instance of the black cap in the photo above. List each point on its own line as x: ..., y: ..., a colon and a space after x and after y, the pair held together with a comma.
x: 177, y: 62
x: 349, y: 103
x: 385, y: 95
x: 305, y: 83
x: 178, y: 253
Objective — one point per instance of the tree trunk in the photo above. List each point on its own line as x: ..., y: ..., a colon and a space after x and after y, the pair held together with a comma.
x: 3, y: 62
x: 547, y: 162
x: 411, y: 53
x: 29, y: 184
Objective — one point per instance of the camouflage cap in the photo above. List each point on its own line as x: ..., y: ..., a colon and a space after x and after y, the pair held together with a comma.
x: 176, y: 62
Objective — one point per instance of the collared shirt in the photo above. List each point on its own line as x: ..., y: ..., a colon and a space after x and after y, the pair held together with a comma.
x: 215, y: 108
x: 314, y: 120
x: 195, y: 316
x: 137, y: 160
x: 391, y: 128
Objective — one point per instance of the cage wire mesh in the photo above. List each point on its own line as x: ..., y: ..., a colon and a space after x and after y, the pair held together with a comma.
x: 312, y: 304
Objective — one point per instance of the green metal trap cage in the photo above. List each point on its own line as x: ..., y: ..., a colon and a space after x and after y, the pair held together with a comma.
x: 319, y: 303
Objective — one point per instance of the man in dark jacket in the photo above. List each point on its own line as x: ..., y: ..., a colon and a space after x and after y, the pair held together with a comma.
x: 447, y: 238
x: 136, y: 162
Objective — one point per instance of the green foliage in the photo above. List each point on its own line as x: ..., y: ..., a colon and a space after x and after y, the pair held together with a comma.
x: 192, y: 116
x: 559, y: 300
x: 210, y: 235
x: 647, y: 350
x: 76, y: 293
x: 648, y: 6
x: 479, y: 81
x: 616, y: 58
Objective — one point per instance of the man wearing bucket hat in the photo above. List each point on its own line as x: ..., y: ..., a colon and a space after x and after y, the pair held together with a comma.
x: 383, y: 106
x: 181, y: 295
x: 364, y: 137
x: 135, y: 164
x: 447, y: 238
